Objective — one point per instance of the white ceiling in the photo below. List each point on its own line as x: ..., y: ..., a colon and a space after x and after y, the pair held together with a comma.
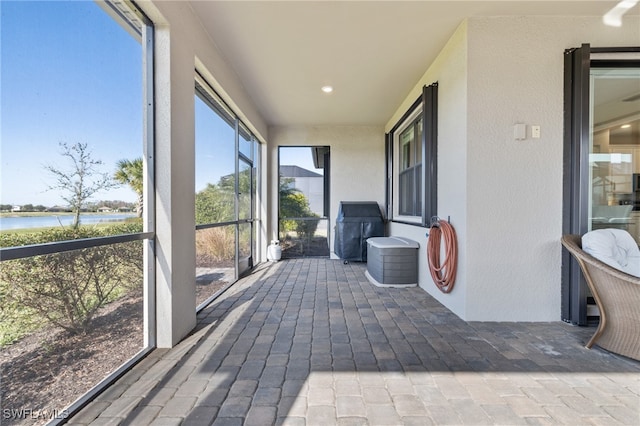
x: 371, y: 52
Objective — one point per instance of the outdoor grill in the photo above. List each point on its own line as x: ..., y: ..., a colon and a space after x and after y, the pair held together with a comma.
x: 356, y: 222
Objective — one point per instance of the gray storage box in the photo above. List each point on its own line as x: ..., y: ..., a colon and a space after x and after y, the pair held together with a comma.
x: 392, y: 262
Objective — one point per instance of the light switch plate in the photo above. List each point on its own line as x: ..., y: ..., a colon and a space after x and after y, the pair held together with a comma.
x: 535, y: 132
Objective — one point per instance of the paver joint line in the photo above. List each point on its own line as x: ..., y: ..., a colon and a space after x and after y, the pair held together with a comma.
x: 311, y: 341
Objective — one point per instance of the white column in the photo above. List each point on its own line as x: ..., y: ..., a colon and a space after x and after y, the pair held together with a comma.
x: 175, y: 193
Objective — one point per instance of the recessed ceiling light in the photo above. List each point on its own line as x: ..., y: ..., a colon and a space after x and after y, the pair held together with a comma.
x: 625, y: 126
x: 327, y: 89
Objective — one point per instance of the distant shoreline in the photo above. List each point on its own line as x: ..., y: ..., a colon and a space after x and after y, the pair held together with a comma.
x: 35, y: 214
x: 32, y: 214
x: 30, y: 221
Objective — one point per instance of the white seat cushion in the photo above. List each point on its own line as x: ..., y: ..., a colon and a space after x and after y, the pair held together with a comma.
x: 615, y: 247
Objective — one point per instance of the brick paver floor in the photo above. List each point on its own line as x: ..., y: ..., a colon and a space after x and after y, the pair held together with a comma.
x: 312, y: 342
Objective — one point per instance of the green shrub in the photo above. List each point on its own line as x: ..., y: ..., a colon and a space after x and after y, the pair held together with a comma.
x: 294, y: 204
x: 307, y: 228
x: 215, y: 246
x: 55, y: 234
x: 214, y: 204
x: 16, y: 320
x: 67, y: 288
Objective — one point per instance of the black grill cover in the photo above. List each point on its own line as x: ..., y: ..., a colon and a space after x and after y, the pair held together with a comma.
x: 357, y: 221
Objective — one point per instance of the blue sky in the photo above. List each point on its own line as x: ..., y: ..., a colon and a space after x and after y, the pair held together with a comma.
x: 69, y: 74
x: 298, y: 156
x: 215, y: 146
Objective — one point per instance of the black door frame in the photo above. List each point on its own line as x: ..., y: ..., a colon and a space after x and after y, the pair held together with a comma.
x: 577, y: 128
x: 324, y: 153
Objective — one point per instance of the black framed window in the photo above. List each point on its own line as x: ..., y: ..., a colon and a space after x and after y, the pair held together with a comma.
x: 412, y: 162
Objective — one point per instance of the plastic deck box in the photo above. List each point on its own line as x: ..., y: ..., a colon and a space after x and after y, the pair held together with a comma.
x: 392, y: 262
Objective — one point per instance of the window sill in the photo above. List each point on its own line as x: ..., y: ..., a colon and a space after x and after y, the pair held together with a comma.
x: 409, y: 220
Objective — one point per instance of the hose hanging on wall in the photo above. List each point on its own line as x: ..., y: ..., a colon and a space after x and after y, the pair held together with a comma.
x: 444, y: 275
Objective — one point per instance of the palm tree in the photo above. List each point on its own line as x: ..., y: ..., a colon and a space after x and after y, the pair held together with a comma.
x: 131, y: 172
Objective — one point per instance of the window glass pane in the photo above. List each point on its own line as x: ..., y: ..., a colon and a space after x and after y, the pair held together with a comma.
x: 72, y: 116
x: 68, y: 320
x: 410, y: 184
x: 254, y: 186
x: 215, y: 170
x: 214, y: 101
x: 406, y: 192
x: 406, y: 148
x: 614, y: 155
x: 418, y: 193
x: 245, y: 190
x: 244, y: 240
x: 68, y: 118
x: 215, y: 260
x: 246, y: 142
x: 418, y: 127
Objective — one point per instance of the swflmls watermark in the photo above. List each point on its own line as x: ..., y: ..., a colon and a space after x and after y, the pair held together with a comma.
x: 30, y: 414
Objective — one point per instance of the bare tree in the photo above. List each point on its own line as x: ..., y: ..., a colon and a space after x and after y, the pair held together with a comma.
x: 81, y: 180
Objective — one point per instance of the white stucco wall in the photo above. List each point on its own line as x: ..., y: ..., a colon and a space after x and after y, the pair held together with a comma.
x: 313, y: 189
x: 450, y: 71
x: 357, y: 164
x: 515, y: 74
x: 505, y: 196
x: 181, y: 45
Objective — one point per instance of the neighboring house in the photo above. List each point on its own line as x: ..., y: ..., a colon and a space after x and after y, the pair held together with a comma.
x: 16, y: 208
x: 311, y: 184
x: 105, y: 209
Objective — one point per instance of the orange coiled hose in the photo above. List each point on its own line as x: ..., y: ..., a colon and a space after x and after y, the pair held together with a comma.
x: 444, y: 275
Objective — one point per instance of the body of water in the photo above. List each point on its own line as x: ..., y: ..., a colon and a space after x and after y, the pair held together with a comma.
x: 23, y: 222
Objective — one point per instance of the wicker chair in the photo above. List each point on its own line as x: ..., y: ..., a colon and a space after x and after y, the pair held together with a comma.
x: 617, y: 295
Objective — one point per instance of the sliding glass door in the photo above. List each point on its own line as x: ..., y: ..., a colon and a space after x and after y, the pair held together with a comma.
x: 226, y: 184
x: 614, y: 148
x: 602, y: 157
